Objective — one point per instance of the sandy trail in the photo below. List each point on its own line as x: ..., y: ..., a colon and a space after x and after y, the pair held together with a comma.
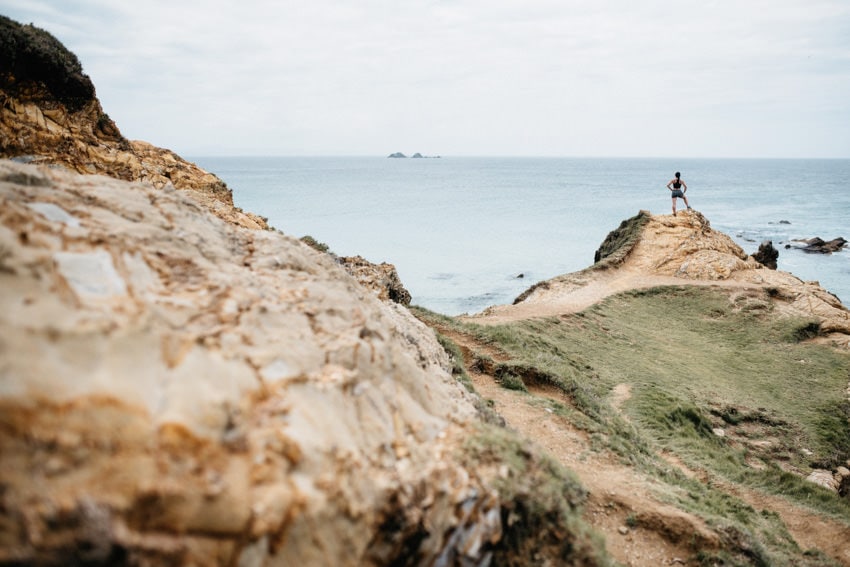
x: 619, y: 496
x: 579, y: 291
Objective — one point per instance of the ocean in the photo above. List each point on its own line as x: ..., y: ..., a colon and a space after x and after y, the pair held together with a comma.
x: 468, y: 232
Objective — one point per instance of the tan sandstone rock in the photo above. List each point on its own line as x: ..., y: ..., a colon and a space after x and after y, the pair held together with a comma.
x: 823, y: 478
x: 381, y: 278
x: 664, y: 249
x: 176, y: 389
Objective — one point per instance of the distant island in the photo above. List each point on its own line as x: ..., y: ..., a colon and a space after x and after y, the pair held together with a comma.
x: 416, y: 155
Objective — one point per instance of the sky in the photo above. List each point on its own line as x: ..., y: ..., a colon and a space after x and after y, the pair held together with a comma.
x: 608, y: 78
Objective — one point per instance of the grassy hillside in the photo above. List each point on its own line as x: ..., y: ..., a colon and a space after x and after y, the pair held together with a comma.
x: 718, y: 381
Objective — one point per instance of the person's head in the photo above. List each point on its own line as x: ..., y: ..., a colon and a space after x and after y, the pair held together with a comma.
x: 678, y: 175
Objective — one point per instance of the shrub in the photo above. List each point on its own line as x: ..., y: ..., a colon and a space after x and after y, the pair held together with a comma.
x: 315, y: 244
x: 32, y: 55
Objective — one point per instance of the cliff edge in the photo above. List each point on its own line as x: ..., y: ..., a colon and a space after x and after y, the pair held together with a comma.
x: 652, y: 250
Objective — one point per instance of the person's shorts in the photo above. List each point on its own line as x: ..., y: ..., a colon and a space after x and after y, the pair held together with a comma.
x: 678, y: 193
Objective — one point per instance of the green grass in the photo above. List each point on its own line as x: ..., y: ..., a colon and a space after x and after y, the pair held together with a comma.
x: 698, y: 360
x: 620, y: 241
x: 696, y: 347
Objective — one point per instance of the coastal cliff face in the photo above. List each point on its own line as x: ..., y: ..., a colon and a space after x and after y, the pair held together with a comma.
x: 49, y: 114
x: 180, y: 390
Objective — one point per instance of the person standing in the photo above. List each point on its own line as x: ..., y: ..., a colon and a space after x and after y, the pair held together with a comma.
x: 678, y: 189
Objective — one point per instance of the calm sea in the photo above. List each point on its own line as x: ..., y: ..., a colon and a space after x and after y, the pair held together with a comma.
x: 466, y: 233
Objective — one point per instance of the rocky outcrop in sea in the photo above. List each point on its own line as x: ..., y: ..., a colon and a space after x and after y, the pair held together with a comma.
x: 818, y: 245
x: 767, y: 255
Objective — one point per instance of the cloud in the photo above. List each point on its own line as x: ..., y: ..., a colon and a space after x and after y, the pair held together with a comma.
x: 467, y: 77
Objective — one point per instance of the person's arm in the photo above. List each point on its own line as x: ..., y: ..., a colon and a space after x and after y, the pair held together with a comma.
x: 684, y: 187
x: 669, y: 184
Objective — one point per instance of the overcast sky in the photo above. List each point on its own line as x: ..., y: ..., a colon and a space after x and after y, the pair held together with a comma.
x: 677, y: 78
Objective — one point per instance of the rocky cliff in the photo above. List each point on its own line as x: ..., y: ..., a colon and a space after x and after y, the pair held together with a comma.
x: 650, y: 250
x: 49, y: 113
x: 179, y: 388
x: 175, y: 389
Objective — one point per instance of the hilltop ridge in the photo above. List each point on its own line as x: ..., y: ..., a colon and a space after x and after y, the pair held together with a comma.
x: 651, y: 250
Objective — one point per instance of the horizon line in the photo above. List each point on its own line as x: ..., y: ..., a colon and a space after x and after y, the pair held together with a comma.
x: 503, y: 156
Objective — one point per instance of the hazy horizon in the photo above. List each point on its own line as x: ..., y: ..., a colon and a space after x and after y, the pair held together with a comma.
x: 508, y: 156
x: 709, y: 79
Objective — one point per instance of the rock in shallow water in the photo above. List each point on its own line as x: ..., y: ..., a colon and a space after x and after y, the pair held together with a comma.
x: 817, y: 245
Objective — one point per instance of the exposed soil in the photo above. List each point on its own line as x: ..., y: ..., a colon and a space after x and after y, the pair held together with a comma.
x: 584, y: 289
x: 619, y: 495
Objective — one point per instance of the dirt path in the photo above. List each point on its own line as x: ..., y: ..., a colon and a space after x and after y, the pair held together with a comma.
x: 809, y: 530
x: 658, y: 535
x: 576, y: 292
x: 638, y: 528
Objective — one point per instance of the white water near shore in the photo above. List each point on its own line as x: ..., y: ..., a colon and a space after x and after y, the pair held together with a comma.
x: 461, y: 230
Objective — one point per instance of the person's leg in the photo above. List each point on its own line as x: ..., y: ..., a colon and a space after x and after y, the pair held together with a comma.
x: 674, y: 206
x: 686, y: 201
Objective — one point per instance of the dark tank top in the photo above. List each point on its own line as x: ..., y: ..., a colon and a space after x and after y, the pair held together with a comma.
x: 676, y: 184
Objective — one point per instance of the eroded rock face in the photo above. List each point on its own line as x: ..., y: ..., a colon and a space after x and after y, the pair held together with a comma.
x: 175, y: 389
x: 178, y: 390
x: 686, y: 246
x: 380, y: 278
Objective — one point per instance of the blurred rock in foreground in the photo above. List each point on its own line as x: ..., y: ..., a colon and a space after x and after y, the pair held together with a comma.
x: 178, y: 390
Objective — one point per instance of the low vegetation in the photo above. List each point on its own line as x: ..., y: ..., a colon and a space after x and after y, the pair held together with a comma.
x: 32, y: 57
x: 315, y: 244
x: 620, y: 241
x: 732, y: 389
